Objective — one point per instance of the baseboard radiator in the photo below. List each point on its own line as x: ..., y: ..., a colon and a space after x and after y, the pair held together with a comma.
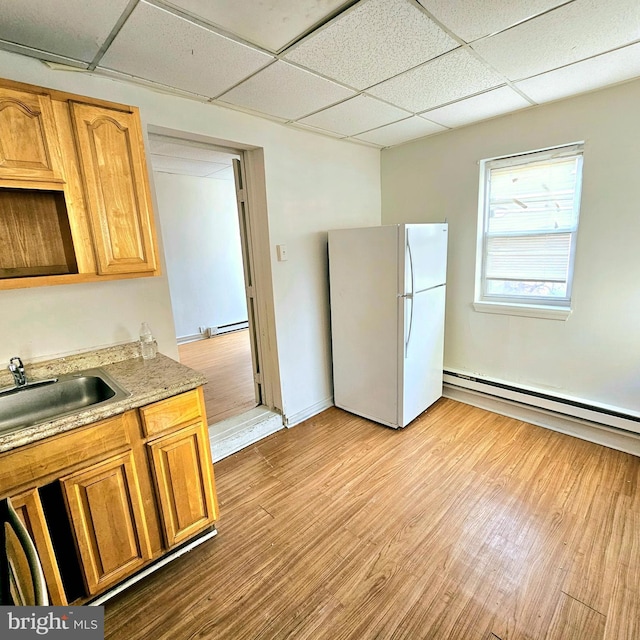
x: 610, y: 417
x: 209, y: 332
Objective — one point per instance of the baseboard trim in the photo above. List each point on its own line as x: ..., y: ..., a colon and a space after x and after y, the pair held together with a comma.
x: 593, y: 432
x: 581, y: 408
x: 212, y: 332
x: 191, y: 338
x: 300, y: 416
x: 234, y: 434
x: 161, y: 562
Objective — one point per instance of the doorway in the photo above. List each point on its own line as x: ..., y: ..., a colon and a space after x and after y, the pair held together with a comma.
x: 209, y: 268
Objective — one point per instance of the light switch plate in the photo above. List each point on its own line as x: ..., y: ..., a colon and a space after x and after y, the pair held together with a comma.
x: 281, y: 250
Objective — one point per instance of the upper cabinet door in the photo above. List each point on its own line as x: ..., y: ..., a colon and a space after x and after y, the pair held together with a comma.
x: 115, y: 178
x: 28, y: 139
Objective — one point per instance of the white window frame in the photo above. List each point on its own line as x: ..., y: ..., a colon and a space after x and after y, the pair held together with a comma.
x: 535, y: 307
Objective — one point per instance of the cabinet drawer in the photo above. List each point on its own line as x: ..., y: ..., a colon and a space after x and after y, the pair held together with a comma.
x: 41, y: 462
x: 171, y: 413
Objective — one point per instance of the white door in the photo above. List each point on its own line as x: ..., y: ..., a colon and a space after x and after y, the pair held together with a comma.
x: 421, y: 353
x: 247, y: 260
x: 425, y: 256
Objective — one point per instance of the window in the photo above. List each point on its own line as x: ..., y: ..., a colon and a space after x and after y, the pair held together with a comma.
x: 529, y: 208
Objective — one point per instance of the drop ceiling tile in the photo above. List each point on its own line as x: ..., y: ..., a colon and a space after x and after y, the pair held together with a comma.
x: 363, y: 143
x: 473, y: 19
x: 183, y: 166
x: 165, y: 146
x: 308, y: 127
x: 162, y: 47
x: 42, y: 55
x: 480, y: 107
x: 453, y: 76
x: 286, y: 91
x: 223, y: 174
x: 609, y: 68
x: 575, y: 31
x: 73, y: 28
x: 374, y: 41
x: 271, y: 24
x: 155, y: 86
x: 398, y: 132
x: 355, y: 116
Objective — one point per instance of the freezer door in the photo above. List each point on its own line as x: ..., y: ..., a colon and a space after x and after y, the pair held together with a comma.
x: 425, y: 256
x: 421, y: 353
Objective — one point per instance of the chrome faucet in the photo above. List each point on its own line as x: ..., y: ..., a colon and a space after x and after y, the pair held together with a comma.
x: 17, y: 369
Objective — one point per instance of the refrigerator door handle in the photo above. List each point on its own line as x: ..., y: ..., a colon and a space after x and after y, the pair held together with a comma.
x: 413, y: 277
x: 409, y: 296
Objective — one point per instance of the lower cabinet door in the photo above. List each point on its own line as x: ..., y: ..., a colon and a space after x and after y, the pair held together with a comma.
x: 183, y: 475
x: 29, y: 509
x: 105, y: 507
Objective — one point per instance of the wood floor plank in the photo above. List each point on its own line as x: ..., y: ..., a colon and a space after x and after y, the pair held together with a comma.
x: 574, y: 620
x: 623, y: 615
x: 590, y: 579
x: 225, y: 360
x: 464, y: 526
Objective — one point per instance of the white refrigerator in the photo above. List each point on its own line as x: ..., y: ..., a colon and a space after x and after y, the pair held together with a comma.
x: 387, y: 292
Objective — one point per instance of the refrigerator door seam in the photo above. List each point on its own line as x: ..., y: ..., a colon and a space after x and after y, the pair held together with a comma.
x: 411, y: 296
x: 428, y: 289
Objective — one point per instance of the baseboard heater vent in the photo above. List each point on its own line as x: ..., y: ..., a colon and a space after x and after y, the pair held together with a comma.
x: 609, y: 416
x: 209, y: 332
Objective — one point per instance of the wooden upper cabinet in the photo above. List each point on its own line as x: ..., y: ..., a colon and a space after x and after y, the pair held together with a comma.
x: 114, y: 171
x: 29, y: 149
x: 75, y: 203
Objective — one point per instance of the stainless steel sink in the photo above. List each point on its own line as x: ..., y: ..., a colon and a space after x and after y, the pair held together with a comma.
x: 39, y: 402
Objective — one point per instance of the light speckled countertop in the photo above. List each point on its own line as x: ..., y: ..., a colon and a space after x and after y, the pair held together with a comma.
x: 146, y: 380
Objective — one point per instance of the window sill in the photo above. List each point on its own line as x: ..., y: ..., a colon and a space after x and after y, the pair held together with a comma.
x: 510, y: 309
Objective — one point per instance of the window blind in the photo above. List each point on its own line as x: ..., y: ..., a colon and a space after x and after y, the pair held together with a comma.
x: 530, y: 221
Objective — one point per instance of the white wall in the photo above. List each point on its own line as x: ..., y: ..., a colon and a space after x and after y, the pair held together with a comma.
x: 595, y: 354
x: 199, y: 220
x: 313, y: 183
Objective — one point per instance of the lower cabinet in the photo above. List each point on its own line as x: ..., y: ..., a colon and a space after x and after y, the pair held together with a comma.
x: 134, y: 486
x: 181, y: 463
x: 105, y: 508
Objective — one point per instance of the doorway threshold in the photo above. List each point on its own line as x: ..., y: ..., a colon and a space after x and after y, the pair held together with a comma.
x: 233, y: 434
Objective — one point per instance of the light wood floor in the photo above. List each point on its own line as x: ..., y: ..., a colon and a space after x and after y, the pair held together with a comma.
x: 464, y: 526
x: 226, y: 361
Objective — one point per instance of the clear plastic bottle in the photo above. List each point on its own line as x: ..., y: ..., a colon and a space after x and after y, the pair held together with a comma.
x: 148, y: 345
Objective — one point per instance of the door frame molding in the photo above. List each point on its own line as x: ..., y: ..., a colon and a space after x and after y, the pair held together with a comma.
x: 258, y: 262
x: 258, y: 219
